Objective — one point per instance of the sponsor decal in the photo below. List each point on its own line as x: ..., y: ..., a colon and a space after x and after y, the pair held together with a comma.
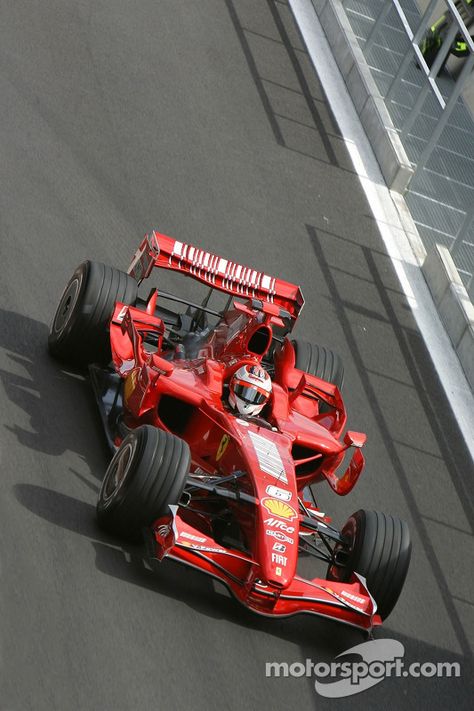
x: 163, y: 530
x: 222, y: 447
x: 209, y: 549
x: 278, y: 572
x: 280, y: 559
x: 279, y: 493
x: 279, y: 546
x: 279, y: 536
x: 280, y: 509
x: 353, y: 597
x: 276, y: 523
x: 340, y: 598
x: 268, y: 456
x: 210, y: 268
x: 192, y: 537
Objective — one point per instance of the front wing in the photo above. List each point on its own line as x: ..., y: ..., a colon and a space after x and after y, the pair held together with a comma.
x: 350, y: 603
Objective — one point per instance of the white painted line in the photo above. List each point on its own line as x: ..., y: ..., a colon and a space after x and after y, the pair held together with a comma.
x: 384, y: 204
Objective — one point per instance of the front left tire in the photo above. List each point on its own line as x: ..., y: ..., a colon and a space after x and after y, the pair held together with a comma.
x: 147, y: 474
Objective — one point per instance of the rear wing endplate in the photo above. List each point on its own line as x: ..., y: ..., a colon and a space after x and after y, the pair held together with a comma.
x: 157, y: 250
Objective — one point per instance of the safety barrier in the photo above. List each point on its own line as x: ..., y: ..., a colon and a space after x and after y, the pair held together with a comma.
x: 392, y: 126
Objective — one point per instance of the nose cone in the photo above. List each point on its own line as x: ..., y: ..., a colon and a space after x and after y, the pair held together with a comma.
x: 271, y: 468
x: 278, y: 537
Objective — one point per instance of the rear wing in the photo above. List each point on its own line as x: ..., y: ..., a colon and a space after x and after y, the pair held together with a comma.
x: 157, y: 250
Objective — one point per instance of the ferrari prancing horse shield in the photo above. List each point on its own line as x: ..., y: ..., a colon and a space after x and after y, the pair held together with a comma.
x: 222, y: 447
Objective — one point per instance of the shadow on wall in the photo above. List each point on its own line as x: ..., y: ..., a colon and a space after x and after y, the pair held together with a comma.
x: 286, y: 82
x: 401, y: 357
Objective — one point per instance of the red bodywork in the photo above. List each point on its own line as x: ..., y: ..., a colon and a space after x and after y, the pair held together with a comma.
x: 274, y: 459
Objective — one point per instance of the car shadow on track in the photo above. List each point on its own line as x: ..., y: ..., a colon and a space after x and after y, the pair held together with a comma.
x: 310, y: 638
x: 130, y: 564
x: 53, y: 398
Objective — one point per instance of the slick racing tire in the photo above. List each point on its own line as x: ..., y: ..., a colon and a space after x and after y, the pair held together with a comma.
x: 321, y: 362
x: 147, y: 474
x: 79, y: 332
x: 379, y: 548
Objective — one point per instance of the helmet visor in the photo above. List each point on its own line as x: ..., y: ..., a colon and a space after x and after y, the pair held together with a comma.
x: 250, y: 395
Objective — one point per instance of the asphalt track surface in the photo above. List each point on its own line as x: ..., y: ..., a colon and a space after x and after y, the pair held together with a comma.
x: 202, y: 119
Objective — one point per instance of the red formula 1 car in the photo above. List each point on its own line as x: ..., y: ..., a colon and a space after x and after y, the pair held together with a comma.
x: 220, y: 488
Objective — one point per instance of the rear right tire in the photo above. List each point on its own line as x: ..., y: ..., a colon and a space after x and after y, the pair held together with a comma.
x: 321, y: 362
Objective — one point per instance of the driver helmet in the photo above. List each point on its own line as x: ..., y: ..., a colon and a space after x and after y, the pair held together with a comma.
x: 249, y: 389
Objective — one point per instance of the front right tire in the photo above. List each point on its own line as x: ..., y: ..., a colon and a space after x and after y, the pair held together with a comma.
x: 378, y: 547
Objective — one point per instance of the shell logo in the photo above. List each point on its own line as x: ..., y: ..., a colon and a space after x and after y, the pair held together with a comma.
x: 279, y: 508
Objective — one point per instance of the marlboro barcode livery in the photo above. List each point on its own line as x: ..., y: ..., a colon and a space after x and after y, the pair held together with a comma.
x: 220, y: 422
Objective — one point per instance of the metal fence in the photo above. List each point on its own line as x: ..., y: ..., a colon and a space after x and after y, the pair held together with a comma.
x: 428, y: 97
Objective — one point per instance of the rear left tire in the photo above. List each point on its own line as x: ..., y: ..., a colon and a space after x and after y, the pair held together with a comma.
x: 79, y: 332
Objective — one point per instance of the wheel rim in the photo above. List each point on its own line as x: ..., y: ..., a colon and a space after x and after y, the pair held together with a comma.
x: 66, y: 306
x: 343, y: 552
x: 117, y: 473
